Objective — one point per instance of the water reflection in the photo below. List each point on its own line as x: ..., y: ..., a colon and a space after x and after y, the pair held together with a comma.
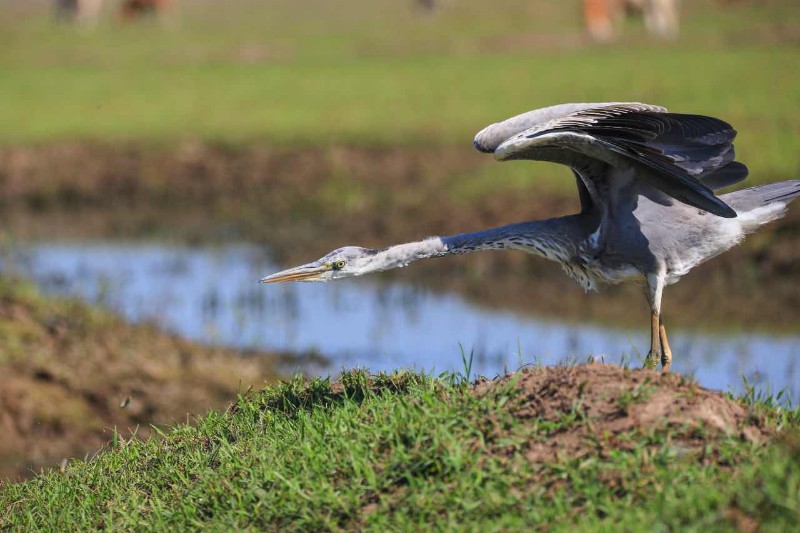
x: 210, y: 294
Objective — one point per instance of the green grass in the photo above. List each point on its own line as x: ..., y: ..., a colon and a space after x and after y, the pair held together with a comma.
x: 405, y: 451
x: 375, y: 73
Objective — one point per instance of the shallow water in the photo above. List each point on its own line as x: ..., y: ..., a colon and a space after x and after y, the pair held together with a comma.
x: 211, y: 294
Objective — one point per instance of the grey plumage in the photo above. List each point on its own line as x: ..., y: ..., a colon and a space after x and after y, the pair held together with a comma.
x: 646, y: 180
x: 488, y: 139
x: 669, y: 151
x: 764, y: 195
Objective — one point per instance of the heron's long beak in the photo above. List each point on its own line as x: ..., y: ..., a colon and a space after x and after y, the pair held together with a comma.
x: 309, y: 272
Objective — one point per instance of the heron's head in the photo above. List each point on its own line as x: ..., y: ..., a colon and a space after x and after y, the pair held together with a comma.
x: 342, y: 263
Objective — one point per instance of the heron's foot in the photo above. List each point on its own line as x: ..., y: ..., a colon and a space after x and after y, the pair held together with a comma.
x: 666, y: 353
x: 652, y: 360
x: 666, y: 361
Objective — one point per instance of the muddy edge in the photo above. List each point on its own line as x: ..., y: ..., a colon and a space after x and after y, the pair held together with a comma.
x: 307, y: 201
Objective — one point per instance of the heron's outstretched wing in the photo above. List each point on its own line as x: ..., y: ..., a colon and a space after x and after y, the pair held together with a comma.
x: 490, y: 137
x: 682, y: 155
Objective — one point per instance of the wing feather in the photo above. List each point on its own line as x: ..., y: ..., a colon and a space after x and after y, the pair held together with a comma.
x: 490, y: 137
x: 684, y: 156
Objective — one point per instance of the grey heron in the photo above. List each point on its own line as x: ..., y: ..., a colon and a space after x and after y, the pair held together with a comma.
x: 646, y: 180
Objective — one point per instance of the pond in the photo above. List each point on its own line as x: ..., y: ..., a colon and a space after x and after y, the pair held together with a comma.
x: 210, y: 294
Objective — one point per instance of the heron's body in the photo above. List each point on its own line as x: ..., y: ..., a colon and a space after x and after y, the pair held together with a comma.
x: 646, y: 180
x: 652, y: 239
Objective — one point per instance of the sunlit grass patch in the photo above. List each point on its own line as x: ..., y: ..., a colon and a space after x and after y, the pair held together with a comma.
x: 404, y: 450
x: 250, y: 73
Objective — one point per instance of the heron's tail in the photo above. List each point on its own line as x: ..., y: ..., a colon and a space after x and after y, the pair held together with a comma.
x: 783, y: 191
x: 762, y: 204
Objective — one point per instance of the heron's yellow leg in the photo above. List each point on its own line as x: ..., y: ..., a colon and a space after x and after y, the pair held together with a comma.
x: 666, y: 353
x: 655, y: 342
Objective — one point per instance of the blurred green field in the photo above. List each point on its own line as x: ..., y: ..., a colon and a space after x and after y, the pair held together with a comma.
x: 377, y: 72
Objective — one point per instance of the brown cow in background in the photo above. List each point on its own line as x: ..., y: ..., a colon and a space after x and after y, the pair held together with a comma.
x: 602, y: 17
x: 136, y: 9
x: 88, y: 11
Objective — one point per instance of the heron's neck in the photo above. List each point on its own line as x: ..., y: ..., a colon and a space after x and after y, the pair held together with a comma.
x: 550, y: 238
x: 400, y: 255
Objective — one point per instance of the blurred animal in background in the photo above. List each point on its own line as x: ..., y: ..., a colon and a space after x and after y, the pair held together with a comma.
x: 136, y: 9
x: 427, y: 6
x: 602, y: 18
x: 647, y: 182
x: 598, y: 19
x: 82, y: 11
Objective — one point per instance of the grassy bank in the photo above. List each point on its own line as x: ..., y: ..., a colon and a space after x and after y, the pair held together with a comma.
x: 372, y: 73
x: 72, y: 377
x: 590, y: 448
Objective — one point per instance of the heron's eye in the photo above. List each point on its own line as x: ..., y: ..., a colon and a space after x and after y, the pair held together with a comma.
x: 338, y: 265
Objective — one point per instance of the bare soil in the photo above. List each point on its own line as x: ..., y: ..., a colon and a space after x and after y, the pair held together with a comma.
x: 605, y: 405
x: 305, y: 202
x: 70, y: 376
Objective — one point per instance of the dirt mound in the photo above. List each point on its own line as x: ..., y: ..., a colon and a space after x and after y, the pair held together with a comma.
x: 70, y: 374
x: 596, y: 407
